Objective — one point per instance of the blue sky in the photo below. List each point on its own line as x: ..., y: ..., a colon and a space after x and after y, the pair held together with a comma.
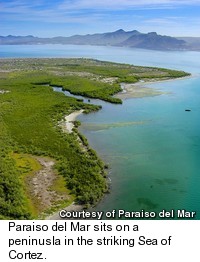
x: 46, y: 18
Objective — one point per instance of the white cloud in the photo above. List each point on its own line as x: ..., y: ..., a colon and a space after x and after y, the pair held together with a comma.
x: 18, y: 6
x: 120, y: 4
x: 73, y: 9
x: 96, y: 15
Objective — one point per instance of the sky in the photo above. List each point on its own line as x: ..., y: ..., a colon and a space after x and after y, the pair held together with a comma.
x: 48, y: 18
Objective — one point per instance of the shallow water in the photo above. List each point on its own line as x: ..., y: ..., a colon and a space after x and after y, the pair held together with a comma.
x: 152, y: 145
x: 155, y: 164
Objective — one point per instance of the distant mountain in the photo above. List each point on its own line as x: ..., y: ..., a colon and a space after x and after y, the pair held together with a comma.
x: 111, y: 38
x: 192, y: 42
x: 154, y: 41
x: 12, y: 40
x: 120, y: 37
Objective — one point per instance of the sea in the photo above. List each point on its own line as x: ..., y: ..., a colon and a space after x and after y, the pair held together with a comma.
x: 151, y: 144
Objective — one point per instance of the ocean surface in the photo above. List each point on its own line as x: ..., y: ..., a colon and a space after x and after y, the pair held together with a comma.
x: 152, y: 145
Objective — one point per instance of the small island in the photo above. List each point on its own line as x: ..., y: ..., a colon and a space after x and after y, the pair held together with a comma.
x: 45, y: 163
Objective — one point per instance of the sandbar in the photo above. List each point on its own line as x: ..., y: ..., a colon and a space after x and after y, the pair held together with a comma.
x: 137, y: 90
x: 142, y: 89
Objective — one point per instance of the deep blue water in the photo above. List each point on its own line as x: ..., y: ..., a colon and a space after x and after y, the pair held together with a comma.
x: 151, y: 144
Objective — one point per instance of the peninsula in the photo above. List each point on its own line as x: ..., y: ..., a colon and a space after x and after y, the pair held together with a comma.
x: 43, y: 166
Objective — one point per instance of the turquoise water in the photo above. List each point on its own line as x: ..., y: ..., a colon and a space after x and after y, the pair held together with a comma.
x: 154, y: 165
x: 151, y: 144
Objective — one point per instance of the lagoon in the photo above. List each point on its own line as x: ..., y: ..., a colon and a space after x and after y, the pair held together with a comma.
x: 152, y: 145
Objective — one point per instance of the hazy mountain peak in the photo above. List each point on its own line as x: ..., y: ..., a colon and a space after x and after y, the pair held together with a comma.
x: 120, y: 31
x: 152, y: 33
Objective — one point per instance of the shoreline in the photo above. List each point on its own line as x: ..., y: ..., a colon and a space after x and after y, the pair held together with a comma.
x: 129, y: 91
x: 142, y: 89
x: 68, y: 124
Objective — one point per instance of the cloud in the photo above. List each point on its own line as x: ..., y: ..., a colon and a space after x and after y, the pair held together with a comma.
x: 74, y: 10
x: 43, y: 10
x: 21, y: 6
x: 96, y: 15
x: 121, y: 4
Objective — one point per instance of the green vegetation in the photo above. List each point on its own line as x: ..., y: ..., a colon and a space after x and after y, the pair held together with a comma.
x: 86, y: 77
x: 29, y: 115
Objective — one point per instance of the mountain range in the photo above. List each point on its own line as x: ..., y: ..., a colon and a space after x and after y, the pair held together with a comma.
x: 132, y: 39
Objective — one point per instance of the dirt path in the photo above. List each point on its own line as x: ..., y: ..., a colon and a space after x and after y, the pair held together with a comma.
x: 40, y: 186
x: 41, y: 183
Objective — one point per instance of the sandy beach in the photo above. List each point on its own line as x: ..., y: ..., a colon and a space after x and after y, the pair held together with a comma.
x: 69, y: 119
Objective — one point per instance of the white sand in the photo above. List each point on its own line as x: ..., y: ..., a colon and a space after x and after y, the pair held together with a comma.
x: 69, y: 119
